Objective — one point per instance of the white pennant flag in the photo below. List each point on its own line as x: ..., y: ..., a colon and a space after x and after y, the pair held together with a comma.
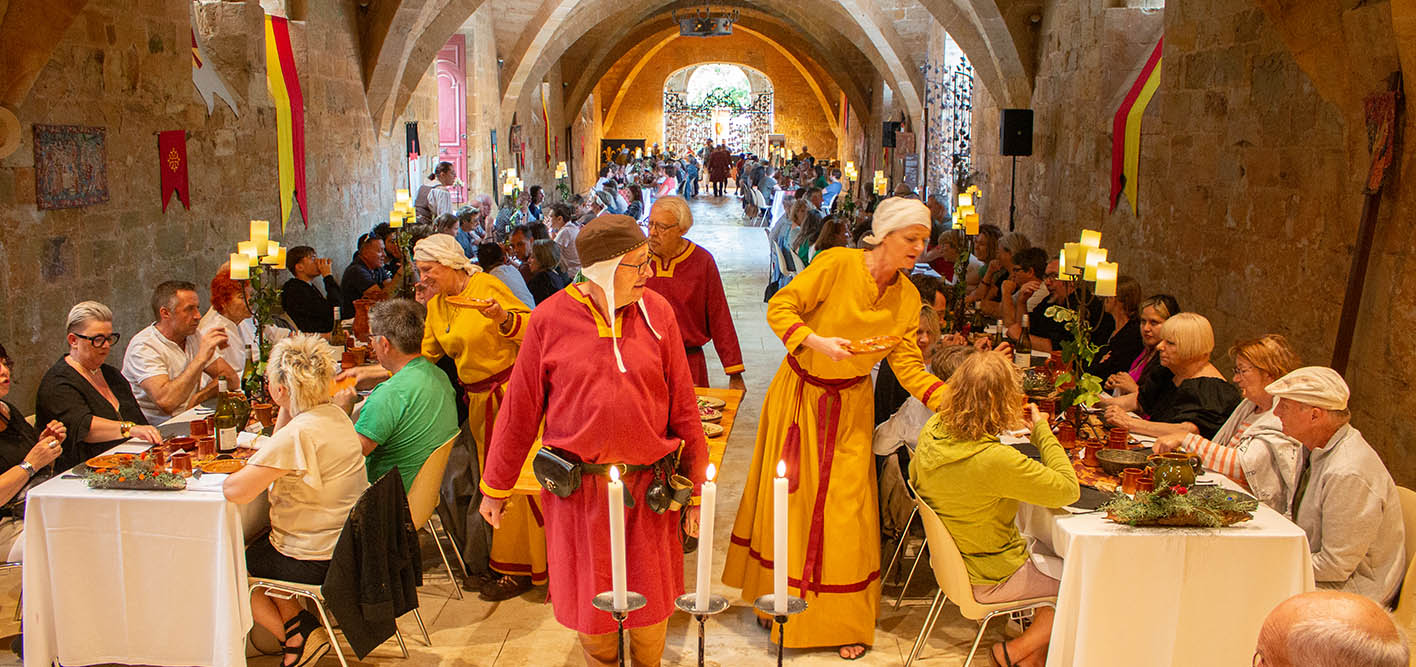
x: 204, y: 76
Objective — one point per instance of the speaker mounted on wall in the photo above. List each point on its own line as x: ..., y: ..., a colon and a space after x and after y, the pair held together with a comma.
x: 1015, y: 132
x: 887, y: 133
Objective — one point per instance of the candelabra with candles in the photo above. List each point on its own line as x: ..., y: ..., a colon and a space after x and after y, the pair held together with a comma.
x: 702, y: 603
x: 257, y: 260
x: 562, y: 188
x: 966, y: 220
x: 400, y: 216
x: 1083, y: 263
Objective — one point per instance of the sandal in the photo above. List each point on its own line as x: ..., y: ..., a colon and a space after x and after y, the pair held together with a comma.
x: 1007, y: 660
x: 312, y: 646
x: 863, y: 650
x: 504, y: 588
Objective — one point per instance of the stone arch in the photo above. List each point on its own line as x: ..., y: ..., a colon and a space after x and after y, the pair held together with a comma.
x: 401, y: 39
x: 981, y: 32
x: 547, y: 37
x: 30, y: 31
x: 758, y: 83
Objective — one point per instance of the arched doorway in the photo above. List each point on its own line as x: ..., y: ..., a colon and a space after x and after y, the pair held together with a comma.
x: 722, y: 102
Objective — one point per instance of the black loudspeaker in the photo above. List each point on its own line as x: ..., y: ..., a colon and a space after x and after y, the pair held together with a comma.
x: 1015, y: 136
x: 887, y: 134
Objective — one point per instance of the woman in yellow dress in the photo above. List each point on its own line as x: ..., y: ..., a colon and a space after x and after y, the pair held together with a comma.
x: 817, y: 417
x: 482, y: 335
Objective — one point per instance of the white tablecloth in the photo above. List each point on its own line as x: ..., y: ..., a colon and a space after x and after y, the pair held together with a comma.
x: 778, y: 210
x: 137, y: 577
x: 1167, y: 596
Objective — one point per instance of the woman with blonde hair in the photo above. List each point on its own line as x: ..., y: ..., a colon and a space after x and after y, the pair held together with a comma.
x: 1251, y: 448
x: 1188, y: 395
x: 314, y: 468
x: 974, y: 483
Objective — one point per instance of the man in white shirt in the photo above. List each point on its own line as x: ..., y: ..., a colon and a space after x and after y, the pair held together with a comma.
x: 564, y: 230
x: 165, y: 362
x: 1344, y: 498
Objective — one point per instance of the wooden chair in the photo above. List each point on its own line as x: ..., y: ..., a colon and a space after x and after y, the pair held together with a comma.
x: 953, y: 578
x: 423, y: 499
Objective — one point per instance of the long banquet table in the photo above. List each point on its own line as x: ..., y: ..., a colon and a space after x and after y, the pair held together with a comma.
x: 1167, y: 596
x: 137, y: 577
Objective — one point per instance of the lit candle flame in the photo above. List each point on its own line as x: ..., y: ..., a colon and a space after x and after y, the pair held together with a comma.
x: 614, y: 474
x: 781, y: 468
x: 712, y: 472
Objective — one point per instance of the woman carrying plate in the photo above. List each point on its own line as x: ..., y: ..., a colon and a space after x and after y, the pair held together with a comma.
x: 474, y: 319
x: 818, y: 418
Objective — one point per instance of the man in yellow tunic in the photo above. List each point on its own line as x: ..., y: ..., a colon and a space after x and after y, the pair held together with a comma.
x: 474, y: 319
x: 817, y: 417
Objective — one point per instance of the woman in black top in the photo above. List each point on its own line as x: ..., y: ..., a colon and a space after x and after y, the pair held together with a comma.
x: 22, y: 453
x: 546, y: 275
x: 88, y: 396
x: 1126, y: 344
x: 1188, y: 395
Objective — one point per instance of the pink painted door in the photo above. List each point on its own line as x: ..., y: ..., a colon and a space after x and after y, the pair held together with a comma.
x: 452, y: 111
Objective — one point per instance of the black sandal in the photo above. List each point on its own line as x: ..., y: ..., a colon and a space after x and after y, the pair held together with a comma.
x: 304, y: 624
x: 1007, y: 659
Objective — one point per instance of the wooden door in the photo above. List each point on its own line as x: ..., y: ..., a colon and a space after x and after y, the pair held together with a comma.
x: 452, y: 111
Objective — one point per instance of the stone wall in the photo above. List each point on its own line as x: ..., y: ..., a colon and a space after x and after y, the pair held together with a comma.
x: 127, y: 67
x: 1250, y: 182
x: 639, y: 113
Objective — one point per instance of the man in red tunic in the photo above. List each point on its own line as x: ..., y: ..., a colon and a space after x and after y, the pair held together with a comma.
x: 719, y: 162
x: 687, y: 276
x: 602, y: 364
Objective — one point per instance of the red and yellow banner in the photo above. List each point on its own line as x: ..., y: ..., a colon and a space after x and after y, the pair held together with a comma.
x: 172, y: 165
x: 284, y: 84
x: 1126, y: 131
x: 546, y: 122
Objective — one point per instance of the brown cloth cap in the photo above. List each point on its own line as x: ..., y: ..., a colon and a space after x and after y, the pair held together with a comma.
x: 608, y: 237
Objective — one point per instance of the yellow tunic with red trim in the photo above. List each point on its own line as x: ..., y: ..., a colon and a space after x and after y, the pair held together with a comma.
x: 691, y: 283
x: 484, y: 355
x: 812, y: 403
x: 566, y: 375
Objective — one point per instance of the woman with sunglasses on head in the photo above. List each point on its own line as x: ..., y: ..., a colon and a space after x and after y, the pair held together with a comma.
x: 87, y: 395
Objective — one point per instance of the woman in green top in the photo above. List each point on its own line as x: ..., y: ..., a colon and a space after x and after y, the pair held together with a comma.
x: 975, y: 483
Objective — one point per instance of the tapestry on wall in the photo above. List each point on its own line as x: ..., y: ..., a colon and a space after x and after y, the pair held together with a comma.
x: 70, y: 166
x: 204, y: 77
x: 619, y: 151
x: 1126, y: 131
x: 517, y: 145
x: 172, y: 167
x: 284, y: 84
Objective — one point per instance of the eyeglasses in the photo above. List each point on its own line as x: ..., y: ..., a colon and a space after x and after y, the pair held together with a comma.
x: 636, y: 267
x: 99, y: 341
x: 663, y: 228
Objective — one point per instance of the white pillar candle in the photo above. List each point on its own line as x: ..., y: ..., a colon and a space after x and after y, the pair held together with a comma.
x: 709, y: 498
x: 779, y: 539
x: 616, y: 491
x: 1091, y: 238
x: 240, y: 270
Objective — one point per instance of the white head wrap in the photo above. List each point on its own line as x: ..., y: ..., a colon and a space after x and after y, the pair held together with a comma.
x: 602, y: 274
x: 444, y: 250
x: 1318, y: 386
x: 894, y: 214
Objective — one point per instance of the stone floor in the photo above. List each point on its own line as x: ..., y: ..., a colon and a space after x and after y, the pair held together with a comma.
x: 523, y: 632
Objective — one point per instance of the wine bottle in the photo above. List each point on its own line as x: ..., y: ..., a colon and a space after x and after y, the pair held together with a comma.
x: 225, y: 418
x: 248, y: 374
x: 336, y: 333
x: 1022, y: 350
x: 999, y: 334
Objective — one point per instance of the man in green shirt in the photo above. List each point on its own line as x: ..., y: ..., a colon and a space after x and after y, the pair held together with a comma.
x: 411, y: 412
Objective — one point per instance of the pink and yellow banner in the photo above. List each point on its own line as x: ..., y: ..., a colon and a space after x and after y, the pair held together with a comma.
x: 284, y: 84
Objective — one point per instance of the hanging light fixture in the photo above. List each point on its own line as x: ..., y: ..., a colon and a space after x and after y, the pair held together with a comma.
x: 706, y: 22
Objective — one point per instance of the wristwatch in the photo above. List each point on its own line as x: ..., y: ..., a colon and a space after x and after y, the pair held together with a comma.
x: 125, y: 428
x: 25, y: 466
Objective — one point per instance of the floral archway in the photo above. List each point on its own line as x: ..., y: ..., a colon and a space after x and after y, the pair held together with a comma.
x: 726, y: 103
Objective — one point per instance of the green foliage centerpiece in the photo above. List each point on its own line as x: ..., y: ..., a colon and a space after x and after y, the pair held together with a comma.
x: 1199, y: 506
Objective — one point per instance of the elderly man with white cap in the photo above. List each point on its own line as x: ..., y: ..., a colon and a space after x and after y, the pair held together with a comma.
x: 1343, y: 497
x: 848, y: 310
x: 603, y: 368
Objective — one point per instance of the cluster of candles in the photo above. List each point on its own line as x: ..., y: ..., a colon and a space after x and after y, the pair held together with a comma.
x: 1086, y: 259
x: 561, y: 171
x: 966, y: 213
x: 512, y: 183
x: 709, y: 501
x: 402, y: 209
x: 882, y: 183
x: 260, y: 249
x: 850, y: 172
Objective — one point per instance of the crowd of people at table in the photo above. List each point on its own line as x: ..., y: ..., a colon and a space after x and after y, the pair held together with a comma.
x: 594, y: 297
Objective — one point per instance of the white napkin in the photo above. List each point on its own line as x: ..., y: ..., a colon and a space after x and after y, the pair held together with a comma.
x: 207, y: 482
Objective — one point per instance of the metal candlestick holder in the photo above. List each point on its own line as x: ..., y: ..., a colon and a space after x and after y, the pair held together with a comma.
x: 606, y: 602
x: 688, y: 603
x: 767, y: 604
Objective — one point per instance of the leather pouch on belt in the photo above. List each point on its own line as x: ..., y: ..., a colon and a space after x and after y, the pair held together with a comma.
x: 555, y: 473
x: 683, y: 491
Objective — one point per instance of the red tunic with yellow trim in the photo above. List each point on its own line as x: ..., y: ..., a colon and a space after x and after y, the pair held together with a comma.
x: 818, y: 416
x: 691, y: 283
x: 566, y: 374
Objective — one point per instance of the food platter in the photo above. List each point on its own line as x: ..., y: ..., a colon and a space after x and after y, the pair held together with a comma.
x: 110, y: 461
x: 219, y: 466
x: 467, y: 301
x: 708, y: 414
x: 712, y: 430
x: 872, y: 344
x: 711, y: 402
